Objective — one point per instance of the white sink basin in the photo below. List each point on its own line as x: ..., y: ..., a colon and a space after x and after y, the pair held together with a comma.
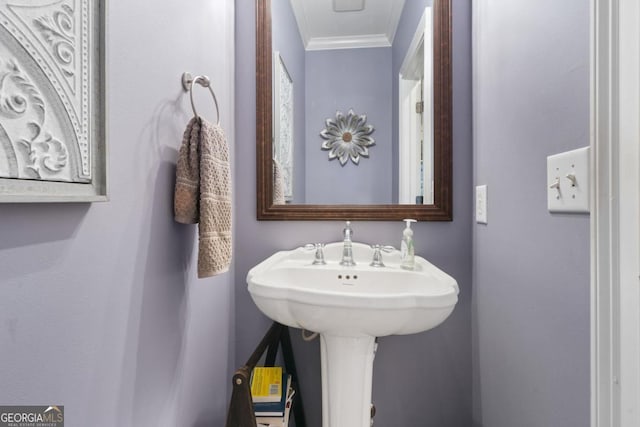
x: 350, y: 307
x: 352, y: 301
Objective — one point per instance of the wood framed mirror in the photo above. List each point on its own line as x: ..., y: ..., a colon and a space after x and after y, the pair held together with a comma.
x: 440, y: 206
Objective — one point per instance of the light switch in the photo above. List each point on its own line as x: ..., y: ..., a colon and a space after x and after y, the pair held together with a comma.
x: 481, y: 204
x: 568, y: 181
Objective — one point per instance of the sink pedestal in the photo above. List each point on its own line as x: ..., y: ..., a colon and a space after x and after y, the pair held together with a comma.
x: 347, y: 372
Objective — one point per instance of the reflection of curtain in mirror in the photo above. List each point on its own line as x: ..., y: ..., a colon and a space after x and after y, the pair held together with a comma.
x: 283, y: 127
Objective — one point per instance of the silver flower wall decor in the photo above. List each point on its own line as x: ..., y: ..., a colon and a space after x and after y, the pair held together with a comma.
x: 347, y: 137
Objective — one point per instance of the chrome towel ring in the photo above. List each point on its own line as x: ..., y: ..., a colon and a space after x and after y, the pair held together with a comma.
x: 204, y: 81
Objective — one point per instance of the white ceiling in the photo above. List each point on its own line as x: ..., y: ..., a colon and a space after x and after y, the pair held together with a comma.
x: 322, y: 28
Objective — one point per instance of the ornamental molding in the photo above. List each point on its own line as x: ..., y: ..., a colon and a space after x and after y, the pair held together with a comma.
x: 47, y: 89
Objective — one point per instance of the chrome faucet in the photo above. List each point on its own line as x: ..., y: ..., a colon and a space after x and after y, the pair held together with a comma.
x: 347, y: 251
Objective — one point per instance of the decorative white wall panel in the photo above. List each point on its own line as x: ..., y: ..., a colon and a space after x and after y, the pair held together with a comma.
x: 51, y: 106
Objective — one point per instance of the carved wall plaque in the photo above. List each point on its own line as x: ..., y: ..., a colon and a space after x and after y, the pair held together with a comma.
x: 51, y: 100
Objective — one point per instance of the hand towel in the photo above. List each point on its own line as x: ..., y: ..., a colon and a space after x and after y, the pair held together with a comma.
x: 203, y: 193
x: 278, y: 184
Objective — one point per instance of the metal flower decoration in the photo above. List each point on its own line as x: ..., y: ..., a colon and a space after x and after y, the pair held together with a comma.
x: 347, y: 137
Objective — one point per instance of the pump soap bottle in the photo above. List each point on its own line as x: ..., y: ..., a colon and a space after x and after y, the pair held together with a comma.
x: 407, y: 251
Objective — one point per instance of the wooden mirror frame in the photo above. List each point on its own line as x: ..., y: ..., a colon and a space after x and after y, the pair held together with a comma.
x: 440, y: 210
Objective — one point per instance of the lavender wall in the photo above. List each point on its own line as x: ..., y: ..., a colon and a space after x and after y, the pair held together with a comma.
x: 100, y: 309
x: 338, y: 80
x: 530, y: 268
x: 422, y: 379
x: 286, y: 40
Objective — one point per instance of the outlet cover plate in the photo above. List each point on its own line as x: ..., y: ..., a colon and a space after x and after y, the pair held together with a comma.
x: 563, y: 194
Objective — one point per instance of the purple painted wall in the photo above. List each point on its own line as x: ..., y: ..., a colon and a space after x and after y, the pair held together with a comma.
x: 100, y: 308
x: 422, y: 379
x: 286, y: 40
x: 530, y: 268
x: 338, y: 80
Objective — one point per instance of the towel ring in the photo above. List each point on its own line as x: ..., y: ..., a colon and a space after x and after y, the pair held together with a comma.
x: 204, y: 81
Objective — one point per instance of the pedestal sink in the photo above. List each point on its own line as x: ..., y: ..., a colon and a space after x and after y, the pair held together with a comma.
x: 350, y: 307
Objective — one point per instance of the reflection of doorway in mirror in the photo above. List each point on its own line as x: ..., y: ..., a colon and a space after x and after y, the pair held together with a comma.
x: 416, y: 117
x: 282, y: 130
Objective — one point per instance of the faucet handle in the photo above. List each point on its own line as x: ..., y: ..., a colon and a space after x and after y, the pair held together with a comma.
x: 377, y: 254
x: 319, y: 255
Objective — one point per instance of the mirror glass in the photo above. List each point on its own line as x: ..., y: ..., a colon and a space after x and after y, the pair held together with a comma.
x: 348, y: 96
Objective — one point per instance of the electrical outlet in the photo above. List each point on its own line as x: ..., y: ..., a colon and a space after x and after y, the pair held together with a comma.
x: 481, y: 204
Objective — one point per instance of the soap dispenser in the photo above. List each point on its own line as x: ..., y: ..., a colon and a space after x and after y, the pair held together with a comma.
x: 406, y: 247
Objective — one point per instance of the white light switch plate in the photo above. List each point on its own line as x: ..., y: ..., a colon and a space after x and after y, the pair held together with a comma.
x: 568, y: 181
x: 481, y: 204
